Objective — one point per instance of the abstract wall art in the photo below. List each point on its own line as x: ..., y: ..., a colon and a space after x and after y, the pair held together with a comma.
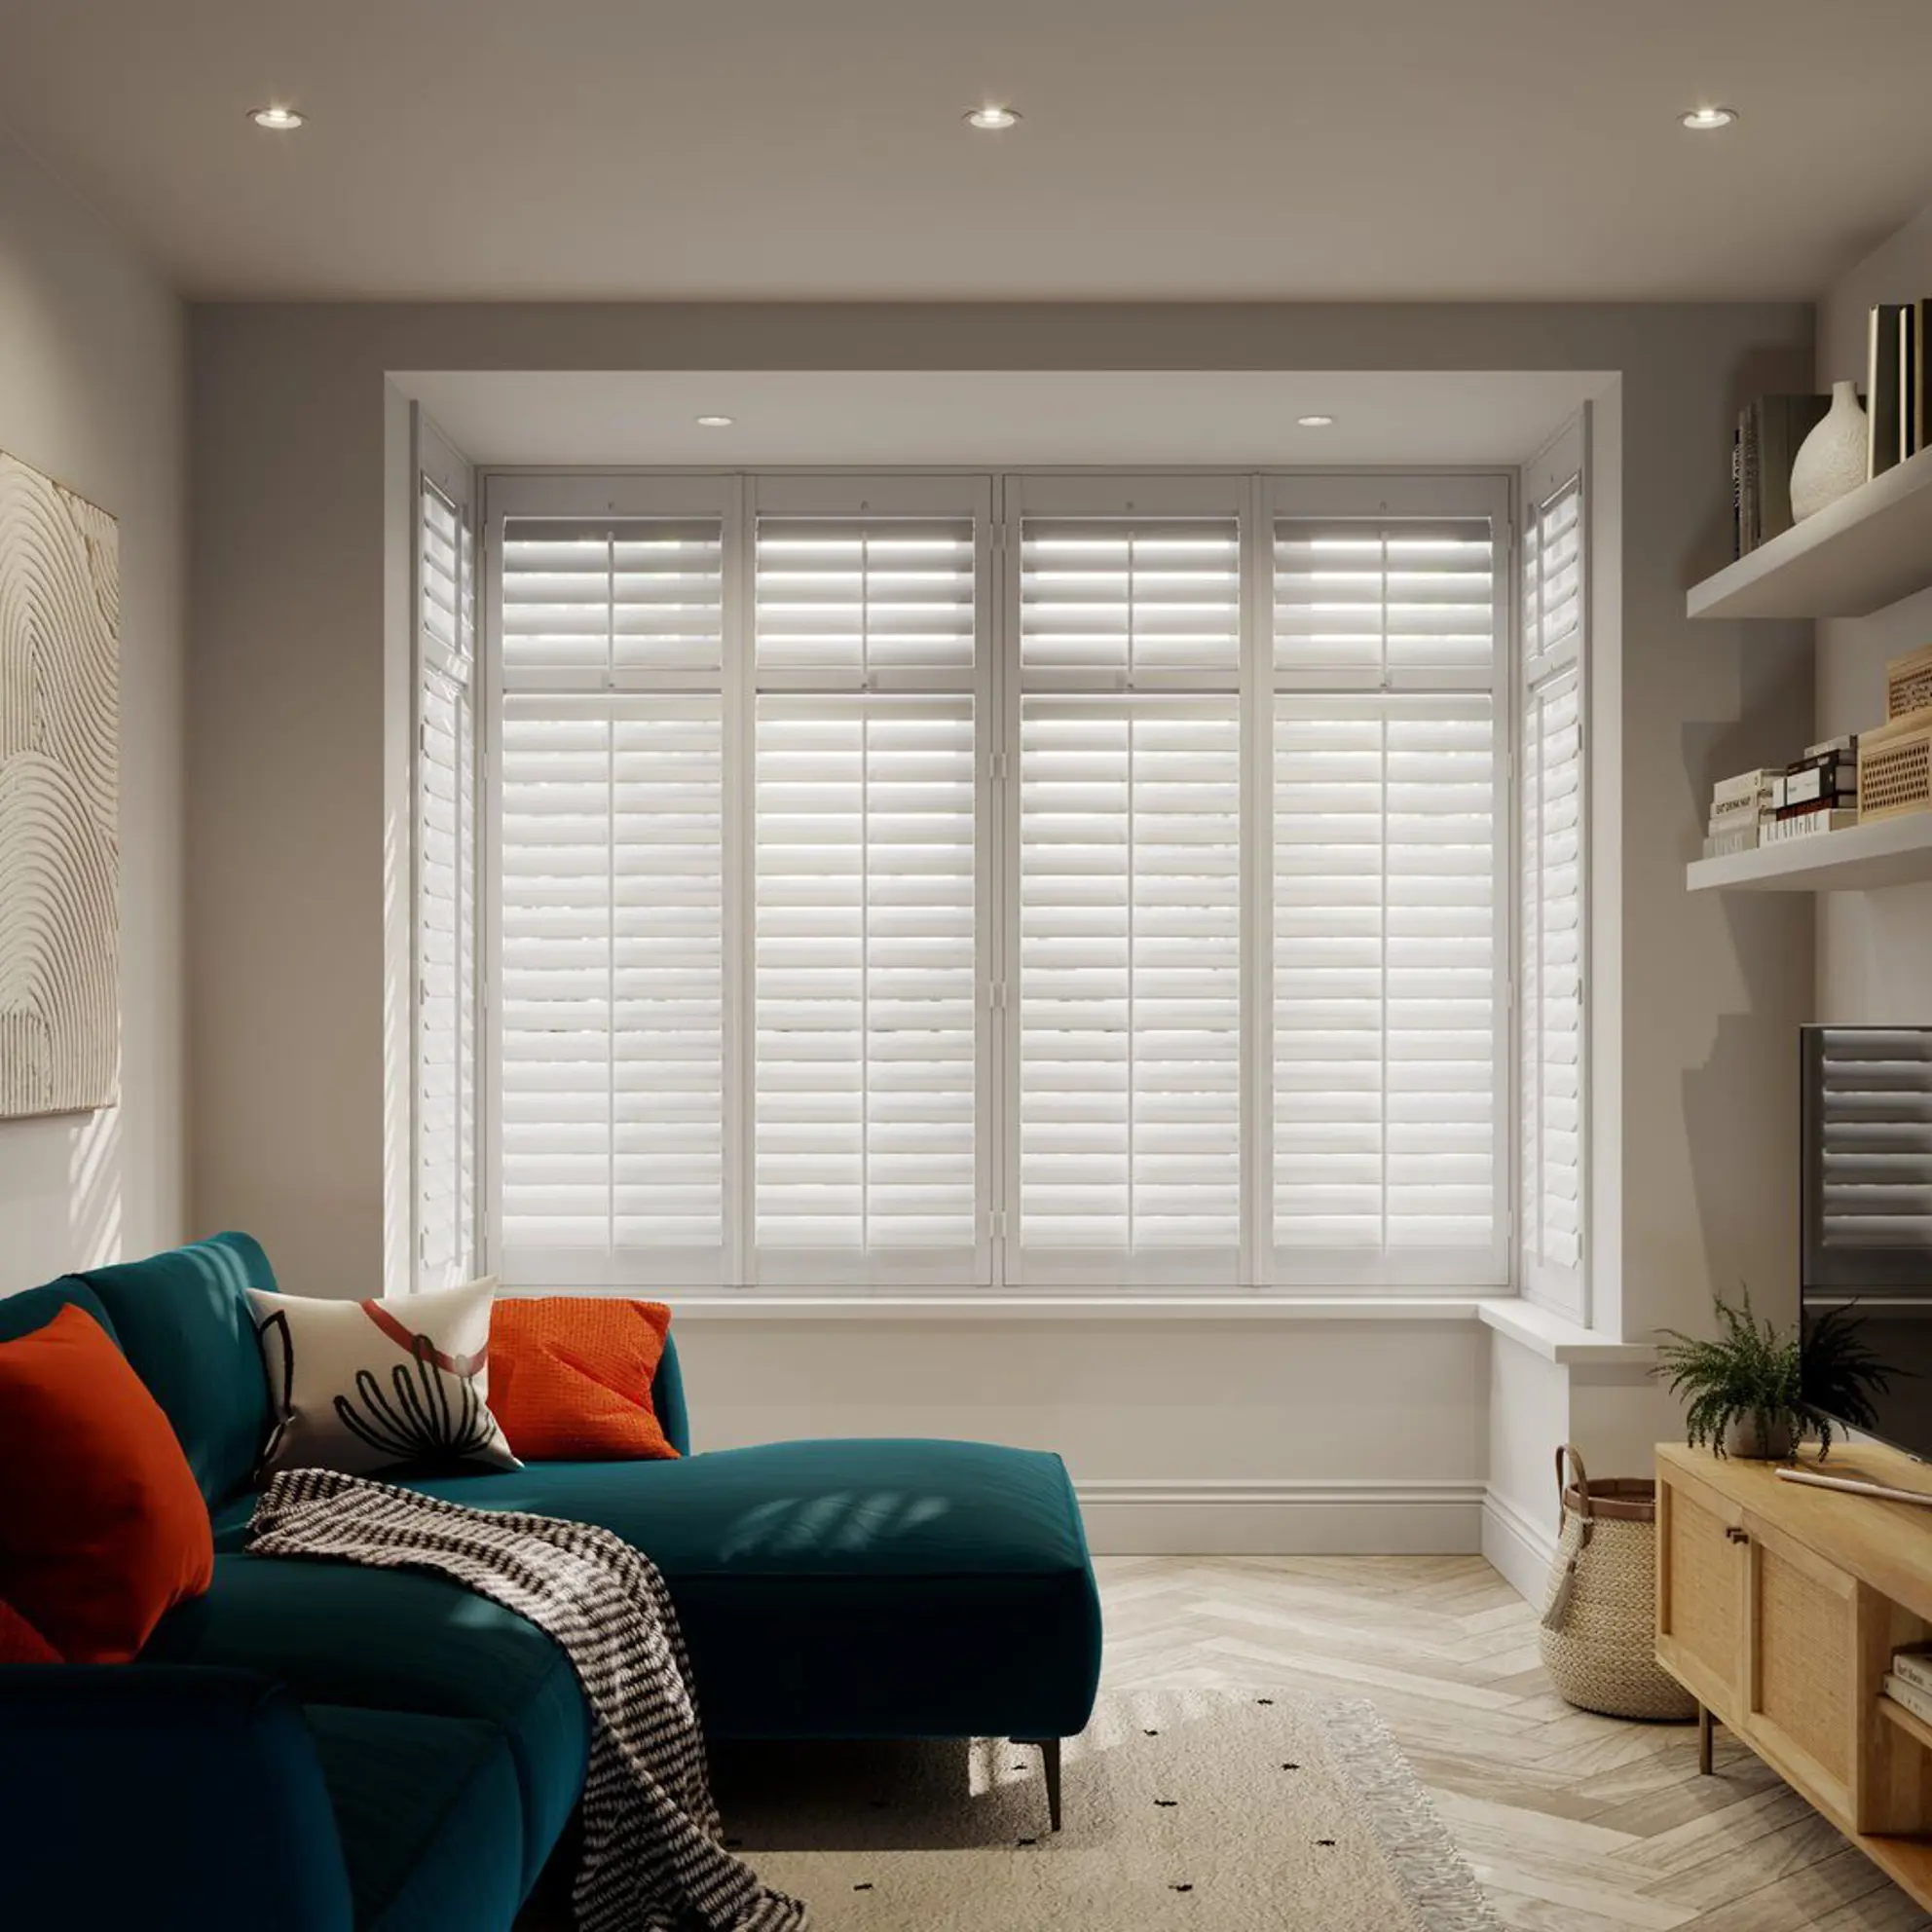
x: 59, y: 783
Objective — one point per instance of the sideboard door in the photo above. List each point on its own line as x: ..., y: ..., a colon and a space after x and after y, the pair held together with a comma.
x: 1702, y: 1602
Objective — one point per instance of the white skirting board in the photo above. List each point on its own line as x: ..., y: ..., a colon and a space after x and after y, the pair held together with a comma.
x: 1521, y: 1547
x: 1281, y: 1518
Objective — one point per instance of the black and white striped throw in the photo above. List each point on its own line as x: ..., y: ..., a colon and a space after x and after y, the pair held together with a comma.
x: 652, y: 1858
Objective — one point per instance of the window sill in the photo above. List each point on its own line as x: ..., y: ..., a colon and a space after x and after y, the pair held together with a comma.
x: 1006, y: 1307
x: 1556, y: 1339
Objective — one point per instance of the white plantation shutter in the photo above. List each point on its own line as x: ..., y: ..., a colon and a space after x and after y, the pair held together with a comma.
x: 1130, y: 961
x: 1386, y: 1032
x: 1129, y: 597
x: 1388, y: 1164
x: 634, y: 596
x: 445, y: 893
x: 1551, y: 941
x: 867, y: 1065
x: 1128, y: 948
x: 610, y: 990
x: 866, y: 596
x: 1406, y: 602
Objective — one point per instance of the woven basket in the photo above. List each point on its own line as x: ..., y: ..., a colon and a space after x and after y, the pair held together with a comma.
x: 1599, y: 1619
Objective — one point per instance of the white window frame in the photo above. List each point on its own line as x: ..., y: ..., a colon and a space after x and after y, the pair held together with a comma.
x: 998, y: 501
x: 1564, y: 462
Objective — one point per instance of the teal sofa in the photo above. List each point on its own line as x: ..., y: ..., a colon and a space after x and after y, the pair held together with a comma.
x: 315, y: 1748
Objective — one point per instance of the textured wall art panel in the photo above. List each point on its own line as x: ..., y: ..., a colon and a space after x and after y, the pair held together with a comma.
x: 59, y: 866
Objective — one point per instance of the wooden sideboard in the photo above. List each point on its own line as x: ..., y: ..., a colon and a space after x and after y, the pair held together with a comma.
x: 1779, y: 1608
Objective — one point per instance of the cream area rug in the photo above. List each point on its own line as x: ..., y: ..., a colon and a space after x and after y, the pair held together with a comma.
x: 1214, y: 1811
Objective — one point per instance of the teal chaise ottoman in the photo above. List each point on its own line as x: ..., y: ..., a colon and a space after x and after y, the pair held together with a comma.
x: 841, y: 1588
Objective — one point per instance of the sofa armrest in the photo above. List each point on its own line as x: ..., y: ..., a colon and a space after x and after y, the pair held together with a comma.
x: 164, y: 1795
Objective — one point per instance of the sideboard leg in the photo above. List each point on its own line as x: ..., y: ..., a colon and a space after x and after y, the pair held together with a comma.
x: 1703, y: 1740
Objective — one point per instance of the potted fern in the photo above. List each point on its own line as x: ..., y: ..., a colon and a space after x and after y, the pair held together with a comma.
x: 1754, y: 1391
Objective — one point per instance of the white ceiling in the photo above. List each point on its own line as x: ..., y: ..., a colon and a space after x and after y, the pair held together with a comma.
x: 998, y: 418
x: 1295, y: 149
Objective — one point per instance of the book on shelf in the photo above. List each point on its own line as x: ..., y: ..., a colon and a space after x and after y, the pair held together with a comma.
x: 1844, y: 745
x: 1915, y: 1667
x: 1909, y: 1695
x: 1746, y: 785
x: 1770, y: 430
x: 1898, y: 410
x: 1723, y: 845
x: 1806, y: 822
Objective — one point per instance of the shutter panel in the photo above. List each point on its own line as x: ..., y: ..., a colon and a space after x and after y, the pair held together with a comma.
x: 1130, y: 965
x: 638, y: 595
x: 866, y: 595
x: 1129, y: 597
x: 1552, y: 984
x: 1385, y: 990
x: 1399, y: 602
x: 445, y: 895
x: 1550, y: 946
x: 867, y: 1057
x: 611, y: 993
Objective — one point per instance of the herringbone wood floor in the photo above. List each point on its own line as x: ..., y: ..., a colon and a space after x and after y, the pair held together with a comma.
x: 1575, y: 1823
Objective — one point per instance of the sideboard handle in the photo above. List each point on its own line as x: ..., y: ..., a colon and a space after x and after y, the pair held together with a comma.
x: 1736, y: 1535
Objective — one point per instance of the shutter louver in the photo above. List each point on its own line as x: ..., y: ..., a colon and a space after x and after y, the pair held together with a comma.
x: 1129, y: 597
x: 1552, y: 987
x: 1385, y: 989
x: 641, y: 595
x: 1130, y: 956
x: 865, y: 596
x: 445, y: 890
x: 867, y: 1059
x: 610, y: 973
x: 1550, y: 941
x: 611, y: 998
x: 1397, y: 602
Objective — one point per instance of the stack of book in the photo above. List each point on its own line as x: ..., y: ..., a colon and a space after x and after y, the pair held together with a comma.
x: 1740, y: 809
x: 1818, y: 793
x: 1768, y: 433
x: 1909, y: 1682
x: 1896, y: 406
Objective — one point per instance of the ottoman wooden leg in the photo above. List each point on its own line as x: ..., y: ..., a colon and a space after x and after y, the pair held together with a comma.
x: 1050, y: 1752
x: 1704, y: 1739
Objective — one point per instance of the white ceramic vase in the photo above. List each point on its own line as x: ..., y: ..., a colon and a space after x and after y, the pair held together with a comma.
x: 1832, y: 459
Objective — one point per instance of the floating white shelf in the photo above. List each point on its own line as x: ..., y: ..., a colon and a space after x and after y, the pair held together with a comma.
x: 1855, y: 556
x: 1891, y: 852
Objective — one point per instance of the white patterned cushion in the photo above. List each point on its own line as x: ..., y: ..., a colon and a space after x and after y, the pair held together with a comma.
x: 359, y: 1386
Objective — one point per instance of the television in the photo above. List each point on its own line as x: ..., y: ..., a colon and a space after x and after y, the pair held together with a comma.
x: 1866, y: 1233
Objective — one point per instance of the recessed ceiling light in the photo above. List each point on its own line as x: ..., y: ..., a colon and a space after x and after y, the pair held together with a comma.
x: 993, y: 119
x: 1315, y: 421
x: 277, y: 120
x: 715, y: 421
x: 1704, y: 119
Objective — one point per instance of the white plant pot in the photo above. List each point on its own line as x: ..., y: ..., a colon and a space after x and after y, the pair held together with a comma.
x: 1832, y: 459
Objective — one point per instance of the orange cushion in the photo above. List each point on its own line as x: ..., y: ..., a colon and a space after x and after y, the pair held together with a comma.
x: 570, y: 1377
x: 20, y: 1642
x: 102, y: 1528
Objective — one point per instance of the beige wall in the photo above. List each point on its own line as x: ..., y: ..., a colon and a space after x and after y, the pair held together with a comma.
x: 93, y: 390
x: 287, y: 829
x: 1875, y: 949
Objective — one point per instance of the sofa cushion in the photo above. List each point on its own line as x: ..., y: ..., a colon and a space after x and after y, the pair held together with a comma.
x: 430, y: 1816
x: 183, y: 1320
x: 399, y: 1641
x: 866, y: 1588
x: 104, y: 1529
